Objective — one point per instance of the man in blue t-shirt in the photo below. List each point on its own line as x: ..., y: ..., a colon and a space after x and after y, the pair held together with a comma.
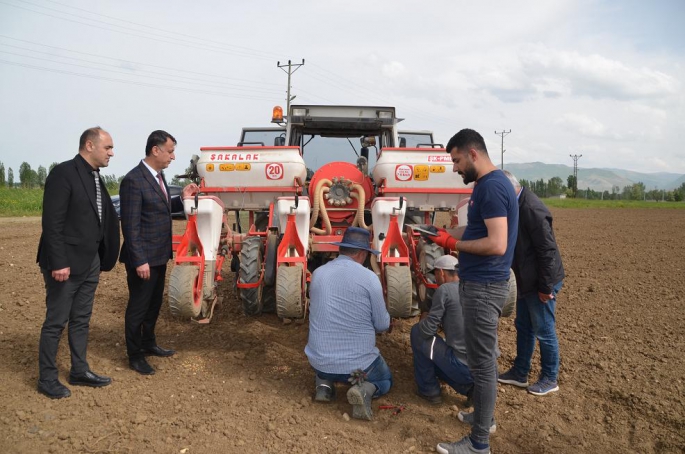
x: 486, y: 251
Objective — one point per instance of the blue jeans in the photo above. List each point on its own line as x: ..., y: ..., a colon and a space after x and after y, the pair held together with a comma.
x: 377, y: 373
x: 536, y: 320
x: 482, y: 305
x: 434, y: 359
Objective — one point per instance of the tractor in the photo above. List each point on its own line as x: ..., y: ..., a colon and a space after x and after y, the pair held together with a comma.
x: 289, y: 210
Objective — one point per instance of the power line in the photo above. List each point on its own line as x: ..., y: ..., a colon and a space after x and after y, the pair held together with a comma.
x: 290, y: 72
x: 389, y: 100
x: 355, y: 88
x: 344, y: 84
x: 130, y: 82
x: 575, y: 157
x: 177, y: 43
x: 193, y: 81
x: 215, y: 46
x: 148, y: 26
x: 330, y: 101
x: 503, y: 133
x: 166, y: 68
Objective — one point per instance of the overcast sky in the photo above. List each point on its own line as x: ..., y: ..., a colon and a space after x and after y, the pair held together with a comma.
x: 604, y: 79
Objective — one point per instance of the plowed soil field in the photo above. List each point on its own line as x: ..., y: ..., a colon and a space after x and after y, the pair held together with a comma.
x: 243, y: 384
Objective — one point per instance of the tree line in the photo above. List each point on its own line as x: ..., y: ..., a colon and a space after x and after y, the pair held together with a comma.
x: 33, y: 179
x: 554, y: 187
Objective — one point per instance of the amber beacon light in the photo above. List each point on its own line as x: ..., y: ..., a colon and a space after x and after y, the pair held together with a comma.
x: 277, y: 115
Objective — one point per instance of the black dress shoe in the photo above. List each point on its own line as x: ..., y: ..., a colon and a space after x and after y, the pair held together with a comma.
x: 141, y: 366
x: 89, y: 378
x: 158, y: 351
x: 53, y: 389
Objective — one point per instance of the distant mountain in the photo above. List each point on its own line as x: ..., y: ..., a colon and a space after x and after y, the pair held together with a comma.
x: 677, y: 183
x: 597, y: 179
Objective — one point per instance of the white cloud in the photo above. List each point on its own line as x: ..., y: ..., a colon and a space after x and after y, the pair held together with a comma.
x: 648, y: 112
x: 596, y: 76
x: 393, y: 69
x: 583, y: 124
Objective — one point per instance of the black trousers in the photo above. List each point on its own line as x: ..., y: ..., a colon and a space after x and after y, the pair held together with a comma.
x: 144, y: 301
x: 69, y: 302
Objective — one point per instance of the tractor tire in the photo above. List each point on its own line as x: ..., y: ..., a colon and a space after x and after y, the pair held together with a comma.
x: 510, y: 303
x: 182, y: 281
x: 398, y: 283
x: 289, y: 302
x: 261, y: 221
x: 428, y: 254
x: 271, y: 259
x: 268, y: 299
x: 250, y: 270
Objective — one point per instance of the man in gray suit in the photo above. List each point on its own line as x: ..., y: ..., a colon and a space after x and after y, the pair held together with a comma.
x: 80, y: 239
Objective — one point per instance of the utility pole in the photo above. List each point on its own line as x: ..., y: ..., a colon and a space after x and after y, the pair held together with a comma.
x: 290, y: 72
x: 575, y: 157
x: 502, y: 133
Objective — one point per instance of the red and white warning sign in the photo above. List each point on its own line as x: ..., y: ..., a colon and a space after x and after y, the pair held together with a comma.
x: 274, y: 171
x: 404, y: 172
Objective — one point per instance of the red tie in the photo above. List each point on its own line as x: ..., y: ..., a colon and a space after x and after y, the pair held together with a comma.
x: 161, y: 184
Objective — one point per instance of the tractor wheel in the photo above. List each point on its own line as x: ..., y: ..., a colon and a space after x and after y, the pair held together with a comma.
x: 289, y: 302
x: 510, y: 303
x: 398, y: 283
x: 428, y: 254
x: 271, y: 258
x: 250, y: 270
x: 261, y: 221
x: 269, y: 299
x: 182, y: 300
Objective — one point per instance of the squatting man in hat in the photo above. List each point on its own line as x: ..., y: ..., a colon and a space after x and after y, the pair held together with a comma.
x: 437, y: 358
x: 346, y: 310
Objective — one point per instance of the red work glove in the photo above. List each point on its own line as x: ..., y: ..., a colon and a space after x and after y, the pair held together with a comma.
x: 444, y: 239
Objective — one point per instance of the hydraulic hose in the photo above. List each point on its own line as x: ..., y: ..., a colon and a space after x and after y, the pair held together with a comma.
x: 360, y: 195
x: 315, y: 208
x: 324, y: 214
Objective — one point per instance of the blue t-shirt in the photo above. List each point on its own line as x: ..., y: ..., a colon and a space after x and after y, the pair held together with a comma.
x: 493, y: 197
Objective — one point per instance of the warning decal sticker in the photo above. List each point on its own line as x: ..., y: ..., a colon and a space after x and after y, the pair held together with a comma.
x: 274, y: 171
x: 404, y: 172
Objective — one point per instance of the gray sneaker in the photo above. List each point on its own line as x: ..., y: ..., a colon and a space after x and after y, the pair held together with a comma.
x: 324, y: 393
x: 462, y: 446
x: 469, y: 418
x: 359, y: 396
x: 543, y: 387
x: 511, y: 378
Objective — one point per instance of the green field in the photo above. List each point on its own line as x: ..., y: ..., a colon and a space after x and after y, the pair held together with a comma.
x: 21, y: 202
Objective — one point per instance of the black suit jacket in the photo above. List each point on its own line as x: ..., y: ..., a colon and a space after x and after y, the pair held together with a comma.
x: 72, y: 231
x: 537, y: 262
x: 145, y: 219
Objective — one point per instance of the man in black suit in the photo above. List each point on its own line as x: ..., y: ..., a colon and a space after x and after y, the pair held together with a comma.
x: 146, y: 225
x: 80, y: 239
